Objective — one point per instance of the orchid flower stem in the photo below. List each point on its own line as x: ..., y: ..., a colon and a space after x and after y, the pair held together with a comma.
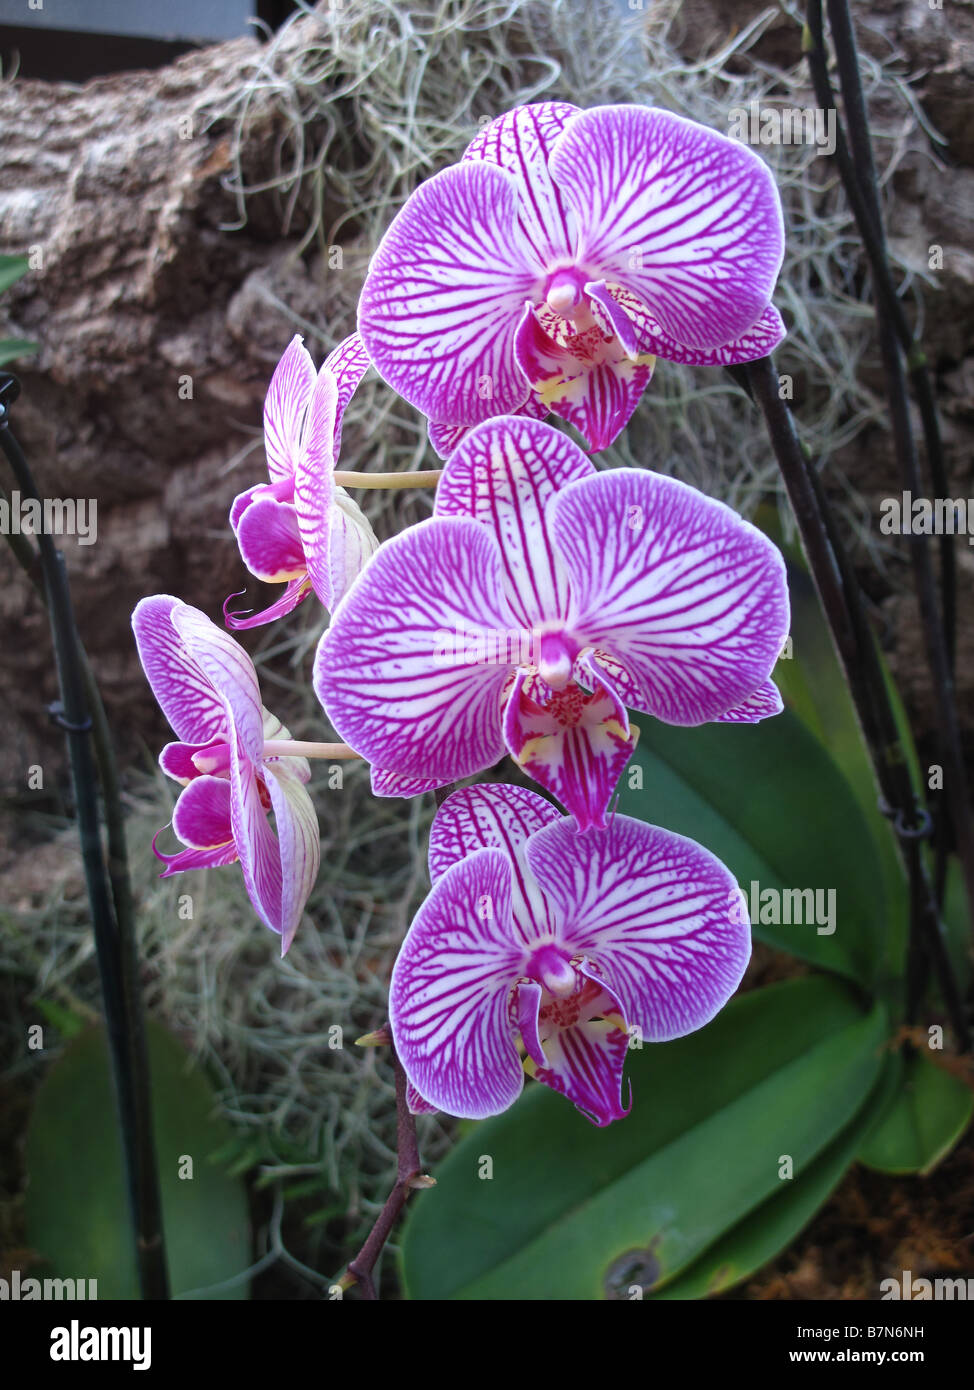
x: 407, y: 1172
x: 293, y: 748
x: 82, y: 717
x: 858, y: 654
x: 422, y: 477
x: 858, y: 175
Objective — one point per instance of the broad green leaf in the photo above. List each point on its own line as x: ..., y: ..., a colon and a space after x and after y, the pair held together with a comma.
x: 814, y: 686
x: 77, y: 1212
x: 780, y: 1071
x: 768, y: 800
x: 765, y: 1232
x: 12, y: 348
x: 12, y: 269
x: 924, y: 1120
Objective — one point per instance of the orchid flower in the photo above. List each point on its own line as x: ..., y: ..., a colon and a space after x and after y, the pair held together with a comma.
x: 569, y: 941
x: 539, y: 601
x: 300, y: 528
x: 207, y: 688
x: 564, y: 253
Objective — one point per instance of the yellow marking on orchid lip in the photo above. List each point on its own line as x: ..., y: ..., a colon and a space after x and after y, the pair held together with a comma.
x: 530, y: 1067
x: 551, y: 390
x: 644, y: 359
x: 532, y: 748
x: 617, y: 1022
x: 612, y: 726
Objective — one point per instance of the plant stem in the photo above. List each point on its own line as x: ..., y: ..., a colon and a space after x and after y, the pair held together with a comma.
x: 408, y: 1176
x: 864, y: 202
x: 294, y: 748
x: 855, y: 643
x: 858, y: 175
x: 115, y: 948
x: 935, y: 642
x: 422, y: 477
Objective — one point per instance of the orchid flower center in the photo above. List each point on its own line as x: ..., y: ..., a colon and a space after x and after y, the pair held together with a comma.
x: 551, y: 966
x: 556, y: 659
x: 565, y: 294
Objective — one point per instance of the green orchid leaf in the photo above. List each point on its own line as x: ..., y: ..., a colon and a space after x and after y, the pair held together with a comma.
x: 923, y: 1121
x: 77, y: 1211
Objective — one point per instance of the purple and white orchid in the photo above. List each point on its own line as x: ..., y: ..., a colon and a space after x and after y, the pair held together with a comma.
x: 207, y: 688
x: 540, y: 600
x: 564, y: 253
x: 572, y: 943
x: 300, y: 528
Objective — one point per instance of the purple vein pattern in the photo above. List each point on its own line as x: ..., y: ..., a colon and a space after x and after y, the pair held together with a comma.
x: 207, y: 688
x: 563, y: 254
x: 537, y: 939
x: 540, y: 600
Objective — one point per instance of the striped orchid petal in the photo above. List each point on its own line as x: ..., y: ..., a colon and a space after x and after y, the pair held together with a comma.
x: 687, y: 219
x: 653, y: 914
x: 445, y: 437
x: 574, y: 744
x: 299, y: 843
x: 451, y: 988
x: 284, y: 405
x: 504, y: 475
x: 764, y: 703
x: 347, y: 363
x: 688, y: 597
x: 184, y: 693
x: 392, y: 671
x: 495, y: 817
x: 449, y: 277
x: 760, y: 340
x: 229, y: 670
x: 385, y: 783
x: 521, y: 142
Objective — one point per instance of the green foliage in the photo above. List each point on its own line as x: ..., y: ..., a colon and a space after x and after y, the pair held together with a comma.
x: 77, y: 1211
x: 923, y: 1121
